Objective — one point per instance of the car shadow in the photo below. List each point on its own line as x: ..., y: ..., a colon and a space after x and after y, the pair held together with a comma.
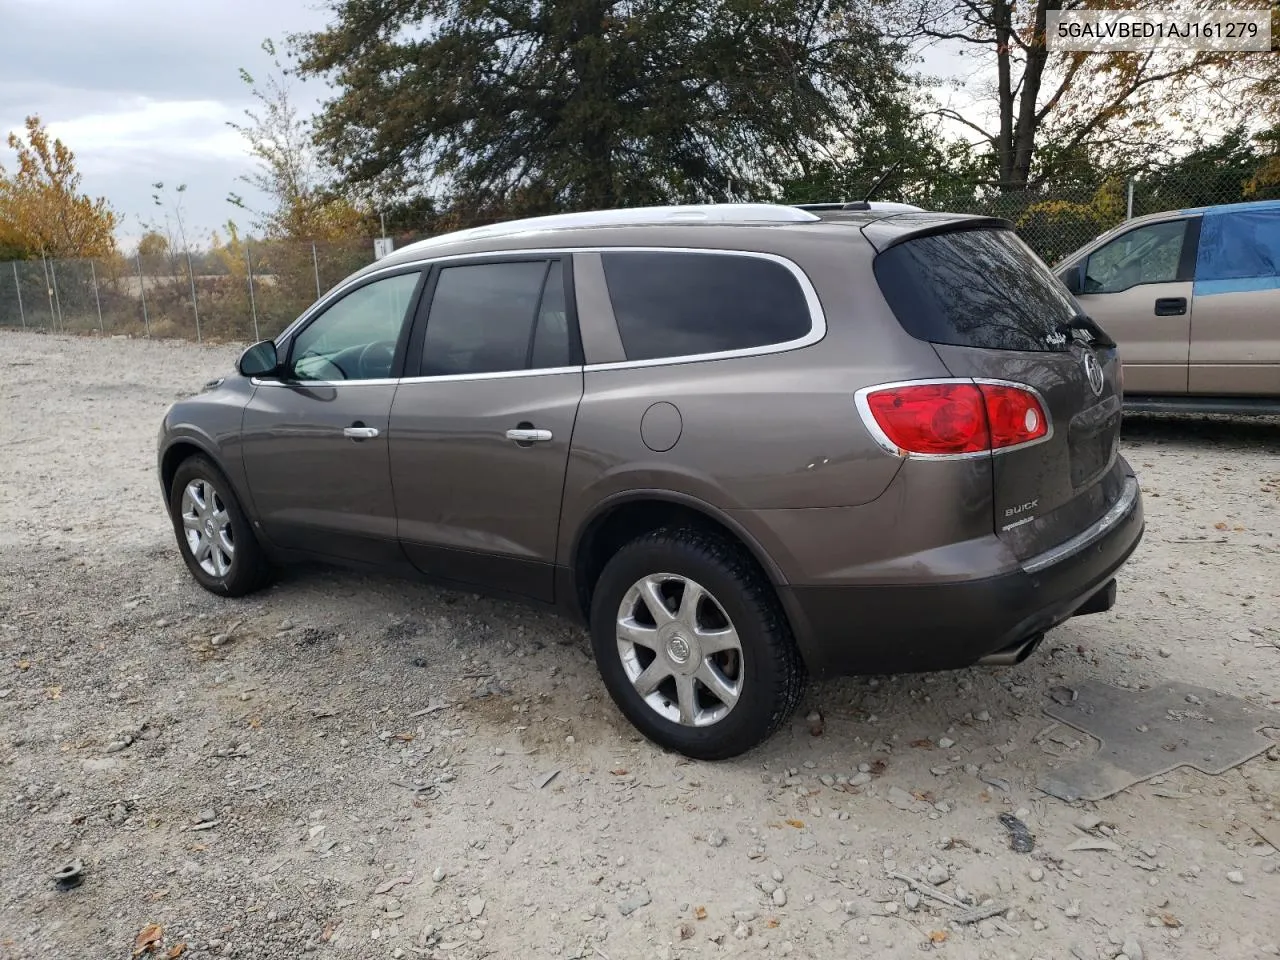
x: 1261, y: 434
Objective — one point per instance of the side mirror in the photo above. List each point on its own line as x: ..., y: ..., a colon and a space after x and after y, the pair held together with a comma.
x: 260, y: 360
x: 1073, y: 278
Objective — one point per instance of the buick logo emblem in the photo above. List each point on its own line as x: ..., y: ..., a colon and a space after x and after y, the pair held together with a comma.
x: 1093, y: 370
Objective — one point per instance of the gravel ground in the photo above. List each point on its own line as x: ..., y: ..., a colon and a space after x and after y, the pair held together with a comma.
x: 354, y: 766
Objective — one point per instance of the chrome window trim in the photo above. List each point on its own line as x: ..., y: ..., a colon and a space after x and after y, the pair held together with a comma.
x: 817, y: 316
x: 882, y: 439
x: 1123, y: 506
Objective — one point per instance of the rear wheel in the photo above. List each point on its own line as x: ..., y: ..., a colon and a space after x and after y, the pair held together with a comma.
x: 213, y: 532
x: 693, y: 645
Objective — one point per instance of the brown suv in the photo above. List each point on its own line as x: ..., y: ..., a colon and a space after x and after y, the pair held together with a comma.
x: 745, y: 443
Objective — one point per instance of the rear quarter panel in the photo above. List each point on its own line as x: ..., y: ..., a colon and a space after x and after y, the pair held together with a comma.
x: 773, y: 432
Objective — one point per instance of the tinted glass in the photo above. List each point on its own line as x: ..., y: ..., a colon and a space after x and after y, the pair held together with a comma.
x: 355, y: 338
x: 1146, y: 255
x: 551, y: 332
x: 681, y: 304
x: 1240, y: 245
x: 482, y: 318
x: 975, y: 288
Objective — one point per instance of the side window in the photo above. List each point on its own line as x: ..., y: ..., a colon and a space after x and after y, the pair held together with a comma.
x: 355, y: 338
x: 1149, y: 254
x: 1239, y: 245
x: 682, y: 304
x: 496, y: 317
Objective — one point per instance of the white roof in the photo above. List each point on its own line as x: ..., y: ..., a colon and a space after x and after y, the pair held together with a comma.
x: 684, y: 213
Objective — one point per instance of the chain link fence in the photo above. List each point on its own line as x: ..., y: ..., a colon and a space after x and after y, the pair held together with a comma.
x: 247, y: 290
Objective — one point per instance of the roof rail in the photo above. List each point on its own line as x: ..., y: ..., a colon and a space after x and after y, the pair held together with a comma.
x: 627, y: 216
x: 884, y: 206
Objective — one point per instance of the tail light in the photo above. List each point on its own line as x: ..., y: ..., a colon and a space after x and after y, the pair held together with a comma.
x: 952, y: 417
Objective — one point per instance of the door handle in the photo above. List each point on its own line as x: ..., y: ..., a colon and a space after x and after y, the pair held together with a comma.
x: 1171, y: 306
x: 360, y: 432
x: 528, y: 435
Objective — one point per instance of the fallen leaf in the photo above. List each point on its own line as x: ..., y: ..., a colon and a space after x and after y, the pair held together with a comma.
x: 327, y: 933
x: 199, y: 847
x: 405, y: 737
x: 177, y: 950
x: 938, y: 936
x: 699, y: 913
x: 24, y: 664
x: 924, y: 743
x: 1169, y: 920
x: 773, y: 922
x: 798, y: 824
x: 620, y: 772
x: 159, y: 895
x: 686, y: 931
x: 255, y: 722
x: 1219, y: 526
x: 55, y: 693
x: 147, y: 938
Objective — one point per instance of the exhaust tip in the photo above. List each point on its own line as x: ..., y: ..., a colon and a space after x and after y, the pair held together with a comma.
x: 1013, y: 654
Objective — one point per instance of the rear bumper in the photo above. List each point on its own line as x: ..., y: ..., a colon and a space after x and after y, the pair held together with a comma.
x: 903, y: 628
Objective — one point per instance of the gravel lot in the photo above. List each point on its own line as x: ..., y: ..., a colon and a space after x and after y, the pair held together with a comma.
x: 355, y: 766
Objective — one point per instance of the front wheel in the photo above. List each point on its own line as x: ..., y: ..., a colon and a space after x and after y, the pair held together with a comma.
x: 213, y: 532
x: 693, y: 644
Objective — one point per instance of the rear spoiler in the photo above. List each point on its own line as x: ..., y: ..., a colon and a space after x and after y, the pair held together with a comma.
x: 890, y: 231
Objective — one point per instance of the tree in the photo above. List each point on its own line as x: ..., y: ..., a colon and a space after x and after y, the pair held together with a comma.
x: 153, y: 244
x: 280, y: 139
x: 1081, y: 103
x: 42, y: 210
x: 525, y: 106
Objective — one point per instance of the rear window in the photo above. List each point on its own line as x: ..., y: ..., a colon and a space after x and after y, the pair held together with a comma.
x: 975, y: 288
x: 684, y: 304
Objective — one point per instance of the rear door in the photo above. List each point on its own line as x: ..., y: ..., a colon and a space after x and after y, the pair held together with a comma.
x: 1138, y: 287
x: 994, y: 311
x: 1235, y: 334
x: 481, y: 425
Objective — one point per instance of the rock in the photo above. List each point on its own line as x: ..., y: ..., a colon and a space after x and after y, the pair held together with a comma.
x: 859, y: 779
x: 940, y: 771
x: 982, y: 716
x: 1073, y: 909
x: 805, y: 842
x: 779, y: 897
x: 891, y: 907
x: 912, y: 900
x: 901, y: 799
x: 741, y: 931
x: 1133, y: 949
x: 777, y: 875
x: 1088, y: 822
x: 1235, y: 876
x: 100, y: 764
x: 1036, y: 874
x: 638, y: 898
x: 475, y: 907
x: 1166, y: 653
x: 716, y: 838
x: 937, y: 874
x: 946, y: 743
x: 438, y: 875
x: 744, y: 916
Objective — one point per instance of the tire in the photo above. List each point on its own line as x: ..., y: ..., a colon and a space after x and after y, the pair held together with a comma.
x: 764, y: 676
x: 231, y: 562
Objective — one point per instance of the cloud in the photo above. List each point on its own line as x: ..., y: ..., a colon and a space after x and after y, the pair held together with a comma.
x: 142, y: 91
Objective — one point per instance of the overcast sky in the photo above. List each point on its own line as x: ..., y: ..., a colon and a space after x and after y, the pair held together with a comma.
x: 141, y: 90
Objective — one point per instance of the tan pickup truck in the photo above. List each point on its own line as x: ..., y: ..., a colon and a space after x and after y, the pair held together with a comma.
x: 1192, y: 297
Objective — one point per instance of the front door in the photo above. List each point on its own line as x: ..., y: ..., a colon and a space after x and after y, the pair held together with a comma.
x: 315, y: 438
x: 481, y: 424
x: 1138, y: 288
